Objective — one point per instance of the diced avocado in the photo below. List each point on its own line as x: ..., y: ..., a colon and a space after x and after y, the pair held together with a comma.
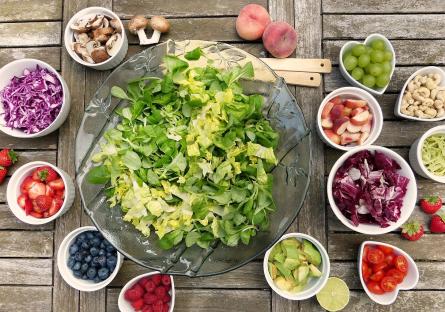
x: 302, y: 257
x: 273, y: 271
x: 312, y: 254
x: 290, y: 248
x: 275, y: 250
x: 297, y: 288
x: 282, y: 283
x: 303, y: 272
x: 295, y: 274
x: 279, y: 257
x: 292, y: 281
x: 283, y: 270
x: 291, y: 264
x: 315, y: 272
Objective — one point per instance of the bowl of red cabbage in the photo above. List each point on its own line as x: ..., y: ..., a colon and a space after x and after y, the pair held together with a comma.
x: 34, y: 99
x: 372, y: 190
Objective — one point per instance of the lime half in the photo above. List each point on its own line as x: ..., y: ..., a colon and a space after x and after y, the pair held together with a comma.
x: 334, y: 296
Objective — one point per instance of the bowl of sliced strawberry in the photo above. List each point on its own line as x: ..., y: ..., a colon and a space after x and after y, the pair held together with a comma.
x: 39, y: 192
x: 149, y: 292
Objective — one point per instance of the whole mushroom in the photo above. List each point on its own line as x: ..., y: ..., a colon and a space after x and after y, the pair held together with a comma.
x: 138, y: 24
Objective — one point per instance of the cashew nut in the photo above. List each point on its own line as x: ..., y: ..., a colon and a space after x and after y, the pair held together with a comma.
x: 428, y: 102
x: 431, y: 112
x: 420, y: 114
x: 412, y: 86
x: 438, y: 104
x: 440, y: 112
x: 421, y: 93
x: 431, y: 83
x: 404, y: 110
x: 434, y: 93
x: 441, y: 96
x: 422, y: 107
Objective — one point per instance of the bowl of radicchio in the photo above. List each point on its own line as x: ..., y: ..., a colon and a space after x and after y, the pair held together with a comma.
x: 372, y: 190
x: 34, y: 99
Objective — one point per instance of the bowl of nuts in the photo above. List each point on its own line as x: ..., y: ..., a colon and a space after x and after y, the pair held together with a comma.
x: 423, y: 96
x: 95, y: 37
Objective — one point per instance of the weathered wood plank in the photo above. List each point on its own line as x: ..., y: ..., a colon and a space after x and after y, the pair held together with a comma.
x: 408, y: 52
x: 430, y: 274
x: 406, y: 26
x: 248, y: 276
x: 28, y: 156
x: 402, y: 133
x: 345, y: 246
x: 25, y: 299
x: 30, y: 34
x: 213, y: 29
x: 30, y: 10
x: 26, y: 244
x: 209, y: 300
x: 401, y: 74
x: 9, y: 222
x: 383, y: 6
x: 26, y: 271
x: 127, y: 8
x: 50, y: 55
x: 47, y: 142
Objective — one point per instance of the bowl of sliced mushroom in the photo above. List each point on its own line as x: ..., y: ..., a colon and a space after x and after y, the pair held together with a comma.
x: 95, y: 37
x: 423, y: 96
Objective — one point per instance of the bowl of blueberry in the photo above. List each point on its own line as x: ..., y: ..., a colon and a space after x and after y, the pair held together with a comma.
x: 86, y: 260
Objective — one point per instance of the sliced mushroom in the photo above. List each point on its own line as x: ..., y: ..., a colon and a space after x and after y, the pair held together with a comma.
x: 116, y: 25
x: 102, y: 34
x: 106, y: 23
x: 81, y: 37
x: 87, y: 58
x: 97, y: 22
x: 99, y: 54
x: 80, y: 28
x: 91, y: 45
x: 113, y: 44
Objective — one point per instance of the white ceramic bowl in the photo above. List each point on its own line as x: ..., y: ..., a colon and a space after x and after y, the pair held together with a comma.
x: 16, y: 68
x: 67, y: 273
x: 348, y: 45
x: 315, y: 284
x: 13, y: 192
x: 422, y: 71
x: 125, y: 306
x: 354, y: 93
x: 410, y: 281
x: 415, y: 155
x: 69, y: 39
x: 409, y: 201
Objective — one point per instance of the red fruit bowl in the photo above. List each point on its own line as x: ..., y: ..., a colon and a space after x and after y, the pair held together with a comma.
x: 145, y: 290
x: 14, y: 194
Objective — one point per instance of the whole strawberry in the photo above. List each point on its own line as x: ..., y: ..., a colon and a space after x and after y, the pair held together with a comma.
x: 412, y: 230
x: 437, y: 224
x: 3, y: 172
x: 7, y: 157
x: 431, y: 204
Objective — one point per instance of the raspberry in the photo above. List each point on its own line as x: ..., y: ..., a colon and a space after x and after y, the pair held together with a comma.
x: 156, y: 279
x: 147, y: 308
x: 167, y: 298
x: 138, y: 304
x: 166, y: 281
x: 143, y: 281
x: 150, y: 298
x: 139, y: 290
x: 165, y: 308
x: 150, y: 286
x: 160, y: 291
x: 158, y: 306
x: 132, y: 295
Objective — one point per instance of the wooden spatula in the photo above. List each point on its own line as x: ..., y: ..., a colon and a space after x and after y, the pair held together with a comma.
x: 299, y: 65
x: 300, y: 78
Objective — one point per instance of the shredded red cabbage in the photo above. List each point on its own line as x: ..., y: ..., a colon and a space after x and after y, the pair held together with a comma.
x: 368, y: 189
x: 33, y: 101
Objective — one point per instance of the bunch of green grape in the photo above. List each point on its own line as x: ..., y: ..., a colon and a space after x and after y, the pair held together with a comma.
x: 369, y: 64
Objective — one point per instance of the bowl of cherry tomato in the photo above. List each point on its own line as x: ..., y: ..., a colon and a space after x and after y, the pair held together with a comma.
x: 384, y: 270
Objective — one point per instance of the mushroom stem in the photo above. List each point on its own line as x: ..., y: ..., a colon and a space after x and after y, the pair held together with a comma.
x: 142, y: 36
x: 143, y: 40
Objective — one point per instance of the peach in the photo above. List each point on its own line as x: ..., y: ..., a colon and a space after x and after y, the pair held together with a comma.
x: 332, y: 136
x: 326, y: 110
x: 367, y: 127
x: 355, y: 103
x: 339, y: 125
x: 252, y: 21
x: 326, y: 123
x: 356, y: 111
x: 353, y: 129
x: 360, y: 119
x: 280, y: 39
x: 348, y: 137
x: 336, y: 100
x: 337, y: 111
x: 363, y: 138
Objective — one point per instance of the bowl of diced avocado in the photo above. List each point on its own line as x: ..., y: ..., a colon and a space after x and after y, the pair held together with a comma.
x: 297, y: 266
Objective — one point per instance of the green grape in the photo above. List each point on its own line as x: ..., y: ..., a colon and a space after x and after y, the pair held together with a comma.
x: 349, y: 53
x: 378, y: 44
x: 377, y: 56
x: 368, y: 81
x: 382, y: 80
x: 386, y: 66
x: 387, y: 55
x: 357, y: 73
x: 369, y: 50
x: 350, y: 62
x: 358, y: 50
x: 374, y: 69
x: 364, y: 60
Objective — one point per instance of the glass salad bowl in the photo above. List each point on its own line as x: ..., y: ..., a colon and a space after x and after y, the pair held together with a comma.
x: 291, y: 175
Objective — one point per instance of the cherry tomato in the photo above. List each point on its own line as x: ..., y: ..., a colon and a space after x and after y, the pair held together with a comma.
x: 389, y: 260
x: 365, y: 253
x: 377, y: 276
x: 401, y: 263
x: 388, y: 283
x: 398, y: 276
x: 379, y: 266
x: 366, y: 271
x: 375, y: 256
x: 375, y: 288
x: 386, y: 249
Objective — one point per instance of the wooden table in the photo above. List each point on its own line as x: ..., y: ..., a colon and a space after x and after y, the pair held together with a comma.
x: 29, y: 280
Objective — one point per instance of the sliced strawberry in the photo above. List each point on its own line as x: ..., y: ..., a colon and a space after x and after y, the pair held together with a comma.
x: 49, y: 191
x: 44, y: 202
x: 3, y: 173
x: 55, y: 206
x: 57, y: 185
x: 36, y: 214
x: 36, y: 189
x: 25, y: 203
x: 26, y: 185
x: 45, y: 174
x: 59, y: 194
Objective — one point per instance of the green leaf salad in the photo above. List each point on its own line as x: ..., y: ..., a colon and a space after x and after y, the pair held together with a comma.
x: 191, y: 156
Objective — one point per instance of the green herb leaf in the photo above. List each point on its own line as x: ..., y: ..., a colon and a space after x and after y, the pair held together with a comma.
x: 119, y: 93
x: 194, y: 55
x: 98, y: 175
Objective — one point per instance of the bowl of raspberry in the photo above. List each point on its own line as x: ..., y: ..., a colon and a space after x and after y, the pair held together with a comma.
x: 149, y: 292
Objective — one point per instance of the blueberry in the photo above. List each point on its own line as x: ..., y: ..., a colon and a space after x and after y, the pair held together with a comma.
x: 76, y: 266
x: 89, y: 235
x: 110, y: 248
x: 71, y: 262
x: 91, y: 273
x: 95, y: 242
x: 102, y: 252
x: 94, y: 251
x: 73, y: 249
x: 78, y: 256
x: 94, y: 262
x: 85, y: 277
x: 88, y: 258
x: 102, y: 261
x: 77, y: 274
x: 84, y: 267
x: 109, y: 254
x: 85, y: 245
x: 97, y: 279
x: 106, y: 243
x: 111, y: 262
x: 81, y: 238
x: 103, y: 273
x: 102, y: 245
